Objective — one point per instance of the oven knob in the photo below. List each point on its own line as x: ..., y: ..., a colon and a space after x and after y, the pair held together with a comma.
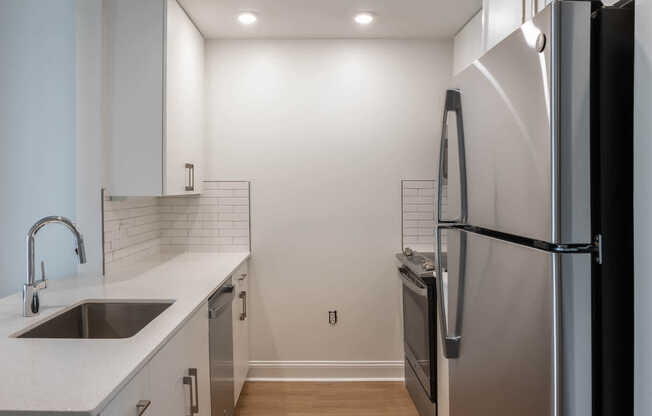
x: 428, y: 266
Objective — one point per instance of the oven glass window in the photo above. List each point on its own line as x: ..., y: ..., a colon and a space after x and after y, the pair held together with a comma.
x: 416, y: 314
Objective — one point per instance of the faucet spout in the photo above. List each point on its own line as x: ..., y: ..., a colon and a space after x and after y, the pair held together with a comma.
x: 31, y: 288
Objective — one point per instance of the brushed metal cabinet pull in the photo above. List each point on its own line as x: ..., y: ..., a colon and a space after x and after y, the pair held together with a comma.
x: 194, y: 390
x: 190, y: 186
x: 243, y: 296
x: 188, y: 382
x: 142, y: 406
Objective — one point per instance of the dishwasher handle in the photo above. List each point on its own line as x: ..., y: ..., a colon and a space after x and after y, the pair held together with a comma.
x: 223, y: 290
x: 220, y: 300
x: 213, y: 313
x: 194, y: 395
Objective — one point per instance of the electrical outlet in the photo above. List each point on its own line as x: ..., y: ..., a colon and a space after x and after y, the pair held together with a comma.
x: 332, y: 317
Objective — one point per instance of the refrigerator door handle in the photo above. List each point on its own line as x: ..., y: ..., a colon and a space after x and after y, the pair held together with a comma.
x: 451, y: 343
x: 453, y: 104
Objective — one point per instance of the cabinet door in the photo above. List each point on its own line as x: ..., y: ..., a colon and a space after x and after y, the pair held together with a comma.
x: 541, y: 4
x: 187, y: 350
x: 125, y: 403
x: 467, y: 45
x: 133, y: 101
x: 168, y: 368
x: 236, y: 311
x: 501, y: 18
x: 240, y: 330
x: 184, y: 99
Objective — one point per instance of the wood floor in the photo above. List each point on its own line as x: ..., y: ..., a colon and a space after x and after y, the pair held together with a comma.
x: 330, y: 399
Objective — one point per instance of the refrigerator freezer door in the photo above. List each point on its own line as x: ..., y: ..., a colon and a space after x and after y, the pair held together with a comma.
x: 505, y: 303
x: 525, y: 107
x: 503, y: 308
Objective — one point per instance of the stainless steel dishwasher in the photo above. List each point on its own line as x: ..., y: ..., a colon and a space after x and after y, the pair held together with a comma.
x: 221, y: 350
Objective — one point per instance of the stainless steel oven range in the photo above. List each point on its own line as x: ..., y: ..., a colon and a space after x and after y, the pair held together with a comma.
x: 420, y: 329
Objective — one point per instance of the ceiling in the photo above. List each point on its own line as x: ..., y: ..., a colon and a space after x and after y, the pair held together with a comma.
x: 331, y: 18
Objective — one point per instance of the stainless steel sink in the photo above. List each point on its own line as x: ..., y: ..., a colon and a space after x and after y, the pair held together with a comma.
x: 99, y: 320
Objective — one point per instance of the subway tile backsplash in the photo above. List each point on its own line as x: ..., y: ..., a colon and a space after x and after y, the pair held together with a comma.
x: 215, y: 221
x: 218, y: 220
x: 418, y: 213
x: 131, y: 229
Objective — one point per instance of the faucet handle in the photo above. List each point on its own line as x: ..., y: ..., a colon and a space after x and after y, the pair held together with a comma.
x: 43, y: 283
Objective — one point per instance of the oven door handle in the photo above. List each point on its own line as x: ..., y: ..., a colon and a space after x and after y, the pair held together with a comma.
x: 411, y: 284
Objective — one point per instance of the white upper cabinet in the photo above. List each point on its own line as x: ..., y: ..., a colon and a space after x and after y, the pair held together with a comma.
x: 184, y: 97
x: 493, y: 23
x: 502, y: 17
x: 153, y: 98
x: 468, y: 44
x: 541, y: 4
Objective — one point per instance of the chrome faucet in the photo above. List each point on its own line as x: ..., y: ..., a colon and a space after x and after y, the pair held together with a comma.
x: 32, y: 287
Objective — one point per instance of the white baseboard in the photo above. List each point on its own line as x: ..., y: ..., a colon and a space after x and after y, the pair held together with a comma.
x: 326, y: 371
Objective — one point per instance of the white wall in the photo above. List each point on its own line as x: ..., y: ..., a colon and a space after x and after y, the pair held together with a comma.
x: 642, y: 209
x: 467, y: 44
x: 326, y: 130
x: 37, y: 133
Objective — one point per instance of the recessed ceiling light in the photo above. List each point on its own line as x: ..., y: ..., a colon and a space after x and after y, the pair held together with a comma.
x: 247, y: 18
x: 363, y: 18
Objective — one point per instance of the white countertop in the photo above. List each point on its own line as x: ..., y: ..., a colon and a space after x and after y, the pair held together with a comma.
x: 53, y: 376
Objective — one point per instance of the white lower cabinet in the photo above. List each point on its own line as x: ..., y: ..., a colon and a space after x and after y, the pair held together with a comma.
x: 176, y: 380
x: 240, y: 330
x: 179, y: 373
x: 137, y: 390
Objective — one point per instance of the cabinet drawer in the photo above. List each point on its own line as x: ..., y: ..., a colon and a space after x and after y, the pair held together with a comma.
x: 135, y: 392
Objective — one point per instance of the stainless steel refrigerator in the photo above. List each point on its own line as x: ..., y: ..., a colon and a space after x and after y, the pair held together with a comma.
x: 536, y: 155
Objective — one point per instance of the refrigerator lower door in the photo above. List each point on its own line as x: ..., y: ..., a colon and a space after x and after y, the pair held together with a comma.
x: 517, y: 136
x: 504, y: 306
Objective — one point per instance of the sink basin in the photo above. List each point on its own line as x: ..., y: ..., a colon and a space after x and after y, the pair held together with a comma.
x: 99, y: 320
